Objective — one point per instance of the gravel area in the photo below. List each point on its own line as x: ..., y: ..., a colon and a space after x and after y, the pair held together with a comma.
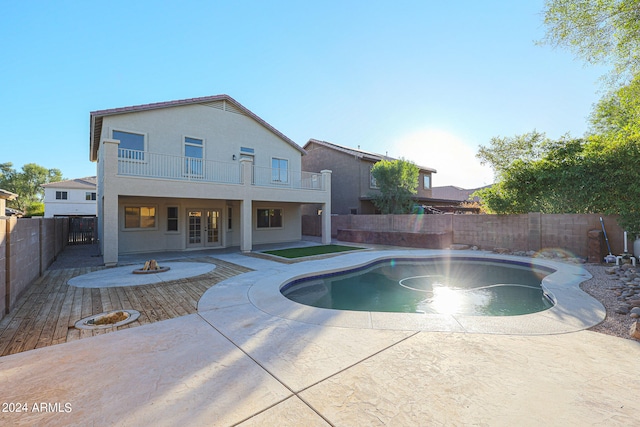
x: 606, y: 288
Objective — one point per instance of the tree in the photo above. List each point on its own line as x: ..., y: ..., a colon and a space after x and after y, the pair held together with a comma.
x: 559, y: 181
x: 27, y: 184
x: 618, y: 111
x: 502, y: 151
x: 598, y: 31
x: 397, y: 181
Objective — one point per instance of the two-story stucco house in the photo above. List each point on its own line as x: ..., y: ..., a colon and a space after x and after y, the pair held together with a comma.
x: 353, y: 182
x: 198, y: 173
x: 73, y: 197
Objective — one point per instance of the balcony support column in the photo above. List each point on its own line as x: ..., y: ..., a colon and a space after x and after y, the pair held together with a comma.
x: 246, y: 238
x: 109, y: 201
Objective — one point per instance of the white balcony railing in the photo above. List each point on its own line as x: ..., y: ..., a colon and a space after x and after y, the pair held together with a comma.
x: 154, y: 165
x: 284, y: 178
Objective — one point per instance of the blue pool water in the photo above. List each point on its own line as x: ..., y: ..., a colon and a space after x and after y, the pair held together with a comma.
x: 467, y: 286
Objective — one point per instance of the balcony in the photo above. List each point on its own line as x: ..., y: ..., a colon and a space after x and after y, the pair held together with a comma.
x: 153, y: 165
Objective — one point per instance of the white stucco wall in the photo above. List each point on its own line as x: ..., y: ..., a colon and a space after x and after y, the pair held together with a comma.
x: 75, y: 205
x: 223, y: 132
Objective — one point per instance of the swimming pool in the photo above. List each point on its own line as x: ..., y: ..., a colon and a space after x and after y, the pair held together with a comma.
x: 573, y: 310
x: 437, y: 285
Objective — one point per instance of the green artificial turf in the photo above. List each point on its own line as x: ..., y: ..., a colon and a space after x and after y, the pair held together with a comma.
x: 311, y: 250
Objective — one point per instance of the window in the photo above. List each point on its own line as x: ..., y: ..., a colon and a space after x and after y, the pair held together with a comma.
x: 131, y: 145
x: 139, y: 217
x: 372, y: 180
x: 229, y: 218
x: 247, y: 153
x: 172, y: 218
x: 194, y: 153
x: 426, y: 181
x: 61, y: 195
x: 90, y: 195
x: 269, y: 218
x: 279, y: 170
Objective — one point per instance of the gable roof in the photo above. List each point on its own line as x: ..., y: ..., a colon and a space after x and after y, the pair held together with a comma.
x: 223, y: 102
x: 361, y: 154
x: 87, y: 183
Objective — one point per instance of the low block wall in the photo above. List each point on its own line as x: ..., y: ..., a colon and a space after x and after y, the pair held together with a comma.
x: 398, y: 238
x: 27, y: 249
x: 526, y: 232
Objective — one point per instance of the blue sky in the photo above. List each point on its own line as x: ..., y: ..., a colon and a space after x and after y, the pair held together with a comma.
x: 424, y: 80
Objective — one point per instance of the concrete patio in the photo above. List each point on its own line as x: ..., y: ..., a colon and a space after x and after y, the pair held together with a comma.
x: 233, y: 363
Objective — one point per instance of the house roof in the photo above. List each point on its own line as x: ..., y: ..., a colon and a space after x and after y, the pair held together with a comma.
x: 361, y: 154
x: 88, y: 183
x: 8, y: 195
x: 451, y: 192
x: 96, y: 117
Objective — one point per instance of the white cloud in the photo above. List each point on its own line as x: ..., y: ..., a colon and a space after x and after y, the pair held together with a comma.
x: 454, y: 159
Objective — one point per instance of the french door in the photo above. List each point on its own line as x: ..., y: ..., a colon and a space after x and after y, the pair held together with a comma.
x: 203, y: 228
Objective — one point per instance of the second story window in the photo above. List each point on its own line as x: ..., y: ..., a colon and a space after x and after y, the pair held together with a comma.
x: 61, y: 195
x: 279, y: 170
x: 372, y: 179
x: 194, y: 153
x: 426, y: 181
x: 89, y: 195
x: 131, y: 145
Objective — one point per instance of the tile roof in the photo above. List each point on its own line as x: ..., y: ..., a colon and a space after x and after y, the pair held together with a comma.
x: 95, y: 117
x: 366, y: 155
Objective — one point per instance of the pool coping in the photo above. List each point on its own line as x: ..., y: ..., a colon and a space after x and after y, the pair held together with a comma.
x: 574, y: 309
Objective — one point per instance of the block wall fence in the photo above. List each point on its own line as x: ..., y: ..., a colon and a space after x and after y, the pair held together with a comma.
x: 28, y: 246
x: 526, y: 232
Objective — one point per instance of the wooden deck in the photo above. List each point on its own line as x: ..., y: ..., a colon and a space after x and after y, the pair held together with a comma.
x: 46, y: 314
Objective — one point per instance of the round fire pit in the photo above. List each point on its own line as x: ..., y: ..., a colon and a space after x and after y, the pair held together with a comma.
x: 151, y: 267
x: 110, y: 319
x: 157, y: 270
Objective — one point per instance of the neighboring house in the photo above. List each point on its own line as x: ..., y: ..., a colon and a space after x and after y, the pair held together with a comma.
x: 198, y: 173
x: 450, y: 198
x: 353, y: 182
x: 73, y: 197
x: 4, y: 210
x: 454, y: 194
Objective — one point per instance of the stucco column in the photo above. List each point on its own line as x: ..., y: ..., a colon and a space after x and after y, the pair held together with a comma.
x: 326, y: 208
x: 246, y: 237
x: 109, y: 230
